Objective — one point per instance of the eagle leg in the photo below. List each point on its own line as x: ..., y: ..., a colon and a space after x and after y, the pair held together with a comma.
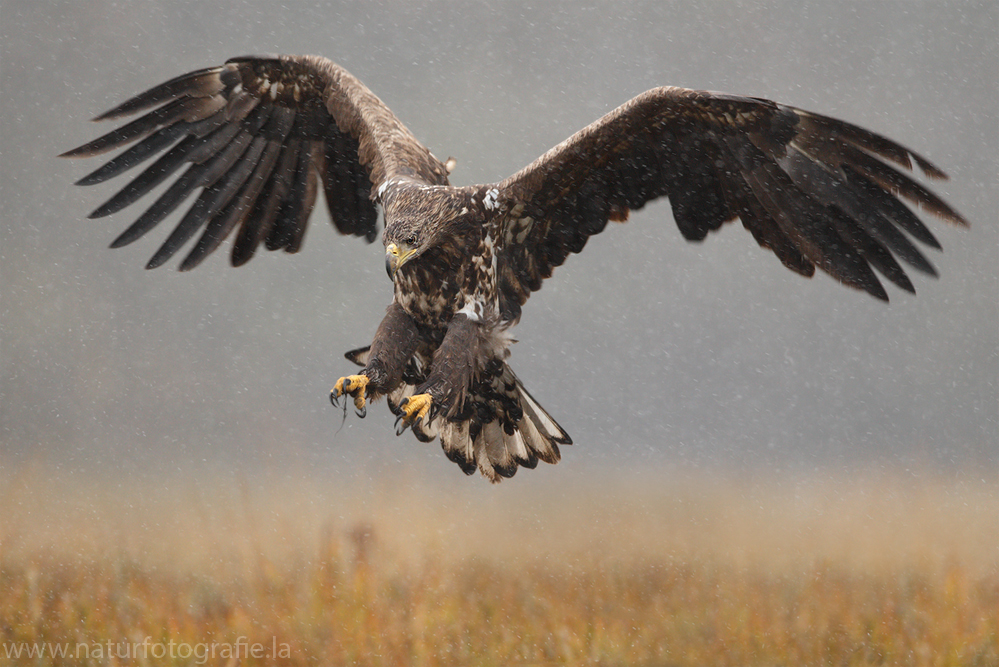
x: 413, y: 410
x: 353, y: 385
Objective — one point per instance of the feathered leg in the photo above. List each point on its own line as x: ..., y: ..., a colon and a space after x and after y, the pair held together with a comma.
x: 384, y: 362
x: 454, y: 369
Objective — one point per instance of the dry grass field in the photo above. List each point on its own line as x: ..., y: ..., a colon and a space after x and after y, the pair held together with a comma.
x: 643, y: 569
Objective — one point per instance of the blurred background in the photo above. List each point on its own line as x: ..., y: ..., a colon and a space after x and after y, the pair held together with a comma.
x: 650, y: 351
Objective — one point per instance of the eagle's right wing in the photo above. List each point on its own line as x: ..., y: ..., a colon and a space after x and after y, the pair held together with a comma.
x: 258, y: 133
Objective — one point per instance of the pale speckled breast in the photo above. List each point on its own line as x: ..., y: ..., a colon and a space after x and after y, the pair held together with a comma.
x: 433, y: 292
x: 429, y: 301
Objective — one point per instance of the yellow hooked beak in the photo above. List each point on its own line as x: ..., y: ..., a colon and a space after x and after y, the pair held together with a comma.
x: 396, y: 256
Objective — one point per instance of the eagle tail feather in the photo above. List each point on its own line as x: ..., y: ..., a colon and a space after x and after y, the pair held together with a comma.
x: 501, y: 427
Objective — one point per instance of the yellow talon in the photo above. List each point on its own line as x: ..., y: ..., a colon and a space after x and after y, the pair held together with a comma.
x: 355, y: 385
x: 416, y: 408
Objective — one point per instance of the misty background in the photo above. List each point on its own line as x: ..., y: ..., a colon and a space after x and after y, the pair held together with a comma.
x: 649, y: 350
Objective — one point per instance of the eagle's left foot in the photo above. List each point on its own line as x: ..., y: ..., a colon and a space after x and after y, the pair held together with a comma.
x: 352, y: 385
x: 413, y: 409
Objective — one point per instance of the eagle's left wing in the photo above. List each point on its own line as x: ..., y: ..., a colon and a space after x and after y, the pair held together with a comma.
x: 260, y: 134
x: 815, y: 190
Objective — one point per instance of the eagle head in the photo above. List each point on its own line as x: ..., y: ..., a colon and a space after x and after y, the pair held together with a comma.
x: 419, y: 219
x: 406, y: 238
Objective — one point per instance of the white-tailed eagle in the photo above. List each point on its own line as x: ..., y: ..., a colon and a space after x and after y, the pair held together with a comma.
x: 259, y: 136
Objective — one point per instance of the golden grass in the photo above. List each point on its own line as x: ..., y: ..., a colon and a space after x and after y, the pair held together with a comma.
x: 645, y: 569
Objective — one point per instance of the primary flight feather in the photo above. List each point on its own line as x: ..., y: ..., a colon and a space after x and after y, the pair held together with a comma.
x: 259, y: 136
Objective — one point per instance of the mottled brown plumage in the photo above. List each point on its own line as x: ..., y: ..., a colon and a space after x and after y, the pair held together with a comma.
x: 260, y: 135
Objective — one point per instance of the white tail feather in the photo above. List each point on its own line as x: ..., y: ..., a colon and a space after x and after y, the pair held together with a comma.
x: 496, y: 453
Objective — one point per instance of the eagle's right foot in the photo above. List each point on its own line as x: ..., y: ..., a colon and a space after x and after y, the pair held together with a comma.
x: 353, y: 385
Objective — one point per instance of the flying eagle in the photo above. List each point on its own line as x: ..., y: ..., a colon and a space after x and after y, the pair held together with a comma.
x: 261, y: 134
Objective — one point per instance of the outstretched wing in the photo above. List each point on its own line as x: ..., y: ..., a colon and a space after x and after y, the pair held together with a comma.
x: 259, y: 133
x: 815, y: 190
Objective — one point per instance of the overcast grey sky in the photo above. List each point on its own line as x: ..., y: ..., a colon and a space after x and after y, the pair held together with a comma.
x: 646, y: 348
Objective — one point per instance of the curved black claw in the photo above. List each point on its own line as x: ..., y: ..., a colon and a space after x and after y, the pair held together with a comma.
x: 362, y: 413
x: 399, y: 430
